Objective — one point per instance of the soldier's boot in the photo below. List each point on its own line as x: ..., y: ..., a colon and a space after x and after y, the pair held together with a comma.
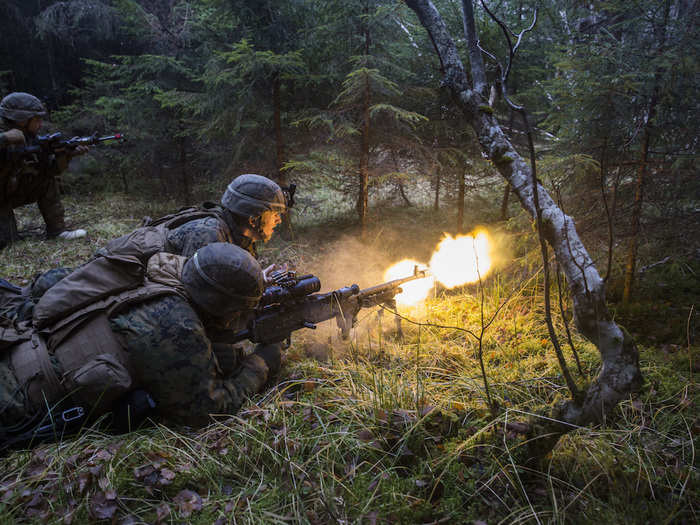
x: 72, y: 234
x: 52, y: 210
x: 8, y: 226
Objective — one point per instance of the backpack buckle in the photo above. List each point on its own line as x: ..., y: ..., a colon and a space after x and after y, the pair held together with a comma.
x: 72, y: 414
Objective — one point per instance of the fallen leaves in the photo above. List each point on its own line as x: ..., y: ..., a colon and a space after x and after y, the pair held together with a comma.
x: 188, y: 502
x: 155, y: 474
x: 166, y: 476
x: 103, y: 506
x: 162, y: 512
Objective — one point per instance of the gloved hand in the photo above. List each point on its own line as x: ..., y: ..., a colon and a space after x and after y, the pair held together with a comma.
x: 79, y: 150
x: 272, y: 355
x: 228, y: 356
x: 267, y: 279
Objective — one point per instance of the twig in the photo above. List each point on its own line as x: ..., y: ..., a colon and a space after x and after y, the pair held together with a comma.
x: 535, y: 190
x: 687, y: 332
x: 418, y: 323
x: 483, y: 330
x: 652, y: 265
x: 566, y: 324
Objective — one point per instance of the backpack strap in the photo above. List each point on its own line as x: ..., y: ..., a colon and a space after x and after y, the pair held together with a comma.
x: 32, y: 366
x: 111, y: 306
x: 183, y: 215
x: 151, y: 237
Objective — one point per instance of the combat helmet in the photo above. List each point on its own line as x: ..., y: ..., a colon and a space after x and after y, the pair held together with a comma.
x: 250, y: 195
x: 19, y: 107
x: 222, y: 279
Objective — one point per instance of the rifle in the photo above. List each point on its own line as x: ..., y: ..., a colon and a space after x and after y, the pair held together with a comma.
x: 55, y: 143
x: 292, y: 304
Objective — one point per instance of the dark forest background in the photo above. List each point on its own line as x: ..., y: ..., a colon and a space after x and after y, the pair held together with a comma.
x: 344, y: 98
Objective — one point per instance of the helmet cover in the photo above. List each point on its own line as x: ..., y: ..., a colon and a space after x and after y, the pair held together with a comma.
x: 20, y: 106
x: 250, y: 195
x: 222, y: 279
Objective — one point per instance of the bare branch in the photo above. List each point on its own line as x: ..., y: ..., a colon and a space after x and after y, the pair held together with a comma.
x: 477, y: 63
x: 512, y: 49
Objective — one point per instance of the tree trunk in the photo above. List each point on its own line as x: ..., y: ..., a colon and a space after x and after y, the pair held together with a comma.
x: 478, y: 72
x: 504, y: 202
x: 620, y: 373
x: 279, y: 146
x: 609, y: 209
x: 363, y: 196
x: 399, y: 183
x: 436, y: 200
x: 460, y: 202
x: 279, y: 140
x: 630, y: 267
x: 184, y: 172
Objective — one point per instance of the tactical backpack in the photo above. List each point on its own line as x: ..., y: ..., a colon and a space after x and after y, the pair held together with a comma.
x: 12, y: 298
x: 71, y: 328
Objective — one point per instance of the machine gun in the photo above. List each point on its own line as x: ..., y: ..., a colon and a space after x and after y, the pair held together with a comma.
x: 55, y: 143
x: 292, y: 304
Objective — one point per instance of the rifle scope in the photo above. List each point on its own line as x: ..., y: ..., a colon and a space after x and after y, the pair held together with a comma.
x: 279, y: 294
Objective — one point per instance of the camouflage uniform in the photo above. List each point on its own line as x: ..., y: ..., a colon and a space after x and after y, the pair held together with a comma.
x: 174, y: 362
x: 193, y: 235
x: 169, y: 352
x: 24, y: 181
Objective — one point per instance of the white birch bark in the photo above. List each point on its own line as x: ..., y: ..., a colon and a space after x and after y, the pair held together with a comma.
x: 620, y: 374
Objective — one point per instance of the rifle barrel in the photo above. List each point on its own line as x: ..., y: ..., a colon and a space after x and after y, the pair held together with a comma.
x: 390, y: 285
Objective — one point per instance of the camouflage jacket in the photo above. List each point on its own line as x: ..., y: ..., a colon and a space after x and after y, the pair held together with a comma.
x: 14, y: 169
x: 174, y: 361
x: 193, y: 235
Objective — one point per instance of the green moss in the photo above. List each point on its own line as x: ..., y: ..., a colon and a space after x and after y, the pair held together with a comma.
x: 484, y: 108
x: 503, y: 159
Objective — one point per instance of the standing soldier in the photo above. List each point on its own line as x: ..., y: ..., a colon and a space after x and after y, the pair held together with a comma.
x: 24, y: 180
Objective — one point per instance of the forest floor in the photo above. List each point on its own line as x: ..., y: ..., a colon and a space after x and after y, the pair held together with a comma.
x: 380, y: 429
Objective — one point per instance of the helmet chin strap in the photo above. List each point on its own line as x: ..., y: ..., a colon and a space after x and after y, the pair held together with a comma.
x: 256, y: 227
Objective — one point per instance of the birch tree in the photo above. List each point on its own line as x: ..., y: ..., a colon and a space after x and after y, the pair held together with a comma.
x: 620, y: 374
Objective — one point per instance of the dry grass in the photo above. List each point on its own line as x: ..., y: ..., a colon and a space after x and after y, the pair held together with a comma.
x: 378, y: 429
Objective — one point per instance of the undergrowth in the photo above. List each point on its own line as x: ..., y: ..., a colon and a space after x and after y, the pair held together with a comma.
x: 379, y: 428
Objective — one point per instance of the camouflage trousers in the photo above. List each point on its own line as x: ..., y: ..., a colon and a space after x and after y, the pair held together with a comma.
x: 43, y: 190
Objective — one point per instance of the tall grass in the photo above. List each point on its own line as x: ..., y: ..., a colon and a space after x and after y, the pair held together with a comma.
x: 383, y: 429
